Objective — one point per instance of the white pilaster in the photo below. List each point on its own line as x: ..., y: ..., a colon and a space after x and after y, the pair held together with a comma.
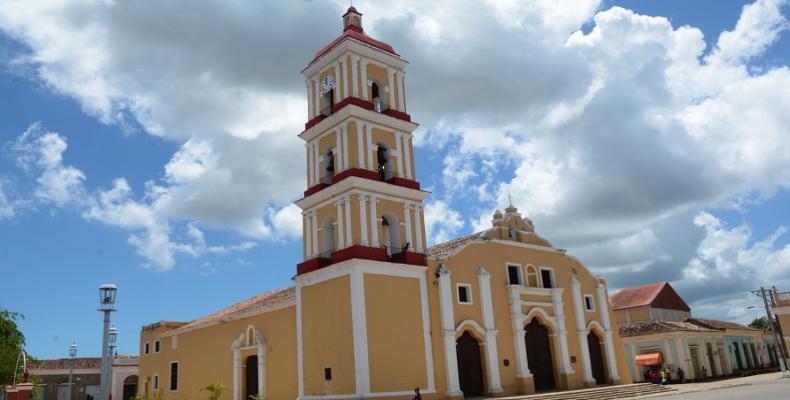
x: 399, y: 150
x: 360, y: 332
x: 314, y: 218
x: 632, y: 364
x: 401, y: 93
x: 448, y: 331
x: 603, y: 310
x: 727, y: 362
x: 487, y: 306
x: 299, y: 358
x: 345, y: 76
x: 360, y: 145
x: 668, y: 352
x: 309, y: 99
x: 363, y: 213
x: 682, y: 350
x: 374, y: 221
x: 339, y: 154
x: 261, y: 371
x: 517, y: 318
x: 407, y: 155
x: 346, y: 156
x: 339, y: 226
x: 317, y: 94
x: 308, y: 229
x: 716, y: 358
x: 354, y: 83
x: 364, y: 65
x: 336, y: 90
x: 236, y: 373
x: 371, y: 157
x: 347, y: 201
x: 562, y: 333
x: 391, y: 87
x: 407, y: 221
x: 581, y: 329
x: 418, y: 227
x: 703, y: 346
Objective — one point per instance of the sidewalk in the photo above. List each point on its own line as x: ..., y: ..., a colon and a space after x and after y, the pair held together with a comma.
x: 721, y: 384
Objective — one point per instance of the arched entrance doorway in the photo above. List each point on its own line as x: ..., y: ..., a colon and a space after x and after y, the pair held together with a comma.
x: 130, y: 387
x: 596, y: 358
x: 536, y: 337
x: 470, y: 365
x: 251, y: 377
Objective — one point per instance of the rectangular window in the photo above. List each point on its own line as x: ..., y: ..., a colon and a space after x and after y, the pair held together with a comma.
x: 147, y: 348
x: 589, y: 303
x: 174, y: 342
x: 513, y: 275
x: 155, y: 382
x: 464, y: 293
x: 174, y: 375
x: 546, y: 278
x: 156, y: 346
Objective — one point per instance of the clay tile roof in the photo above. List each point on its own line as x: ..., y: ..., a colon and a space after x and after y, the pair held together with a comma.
x: 658, y: 295
x: 652, y: 327
x: 64, y: 363
x: 353, y: 32
x: 442, y: 250
x: 718, y: 324
x: 266, y: 299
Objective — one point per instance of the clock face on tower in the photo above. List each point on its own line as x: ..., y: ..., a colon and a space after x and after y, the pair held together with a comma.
x: 327, y: 84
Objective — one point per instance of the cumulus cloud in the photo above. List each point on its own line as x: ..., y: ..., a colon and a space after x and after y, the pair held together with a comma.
x: 7, y: 209
x: 730, y: 261
x: 442, y: 223
x: 41, y: 152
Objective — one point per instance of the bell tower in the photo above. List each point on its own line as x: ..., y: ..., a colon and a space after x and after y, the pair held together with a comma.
x: 364, y: 237
x: 362, y: 199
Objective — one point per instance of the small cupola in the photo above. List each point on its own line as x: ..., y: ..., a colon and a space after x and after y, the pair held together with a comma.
x: 352, y: 19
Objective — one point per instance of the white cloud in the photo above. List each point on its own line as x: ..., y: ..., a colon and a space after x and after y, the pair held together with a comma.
x: 758, y: 27
x: 7, y: 209
x: 287, y: 221
x: 442, y: 223
x: 41, y: 152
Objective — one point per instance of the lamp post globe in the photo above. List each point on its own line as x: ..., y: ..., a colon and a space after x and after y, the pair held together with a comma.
x: 112, y: 336
x: 107, y: 294
x: 73, y: 350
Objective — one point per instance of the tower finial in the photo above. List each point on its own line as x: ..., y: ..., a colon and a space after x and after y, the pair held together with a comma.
x: 352, y: 18
x: 509, y: 199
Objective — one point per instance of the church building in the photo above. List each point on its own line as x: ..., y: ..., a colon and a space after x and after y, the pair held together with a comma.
x: 374, y: 312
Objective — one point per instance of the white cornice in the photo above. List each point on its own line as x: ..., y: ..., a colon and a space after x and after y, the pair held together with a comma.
x: 352, y: 45
x: 354, y: 111
x: 367, y: 185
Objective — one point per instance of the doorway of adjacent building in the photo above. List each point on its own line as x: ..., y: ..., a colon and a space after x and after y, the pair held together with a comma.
x: 470, y: 365
x: 596, y: 358
x: 738, y: 360
x: 538, y: 345
x: 129, y: 387
x: 694, y: 350
x: 711, y: 360
x: 251, y: 378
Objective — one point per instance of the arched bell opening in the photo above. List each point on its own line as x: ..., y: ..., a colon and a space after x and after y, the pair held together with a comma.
x: 383, y: 162
x: 327, y: 237
x: 329, y: 169
x: 391, y: 234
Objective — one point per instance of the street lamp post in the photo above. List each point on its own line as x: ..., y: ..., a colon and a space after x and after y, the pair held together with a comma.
x: 764, y: 296
x: 112, y: 337
x: 72, y: 356
x: 107, y: 294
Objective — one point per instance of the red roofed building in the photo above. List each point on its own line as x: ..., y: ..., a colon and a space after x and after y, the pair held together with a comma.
x: 653, y: 302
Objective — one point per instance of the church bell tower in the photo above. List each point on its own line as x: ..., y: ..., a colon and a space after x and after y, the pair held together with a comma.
x: 362, y: 282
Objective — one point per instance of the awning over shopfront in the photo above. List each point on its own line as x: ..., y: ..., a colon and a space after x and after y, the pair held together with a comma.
x: 649, y: 359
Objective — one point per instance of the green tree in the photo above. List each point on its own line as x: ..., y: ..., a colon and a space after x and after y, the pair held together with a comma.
x: 214, y: 389
x: 759, y: 323
x: 11, y: 342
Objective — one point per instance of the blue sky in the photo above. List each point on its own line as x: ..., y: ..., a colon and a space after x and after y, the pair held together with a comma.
x: 186, y: 112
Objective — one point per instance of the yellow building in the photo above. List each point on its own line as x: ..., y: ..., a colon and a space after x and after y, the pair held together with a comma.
x: 373, y: 312
x: 780, y: 302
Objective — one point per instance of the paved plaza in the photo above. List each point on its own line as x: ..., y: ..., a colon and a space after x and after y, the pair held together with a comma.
x: 758, y: 387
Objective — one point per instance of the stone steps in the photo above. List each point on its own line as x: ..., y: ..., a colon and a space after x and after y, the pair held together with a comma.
x: 600, y: 393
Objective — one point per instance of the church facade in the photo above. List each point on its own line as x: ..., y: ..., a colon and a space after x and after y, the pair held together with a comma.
x: 374, y: 312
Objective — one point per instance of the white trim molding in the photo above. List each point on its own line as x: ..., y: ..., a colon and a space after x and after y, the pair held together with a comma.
x: 487, y: 306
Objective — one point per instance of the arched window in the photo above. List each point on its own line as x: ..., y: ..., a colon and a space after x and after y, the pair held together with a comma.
x: 374, y: 88
x: 328, y: 238
x: 328, y: 101
x: 383, y: 160
x: 330, y: 167
x: 390, y: 232
x: 378, y: 102
x: 532, y: 276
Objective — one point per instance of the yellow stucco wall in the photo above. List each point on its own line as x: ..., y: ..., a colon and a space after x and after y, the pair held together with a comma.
x: 396, y: 351
x: 205, y: 355
x: 327, y: 337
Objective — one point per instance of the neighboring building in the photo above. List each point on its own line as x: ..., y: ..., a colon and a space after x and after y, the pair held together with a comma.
x: 54, y: 375
x: 374, y: 312
x: 781, y: 308
x: 657, y: 330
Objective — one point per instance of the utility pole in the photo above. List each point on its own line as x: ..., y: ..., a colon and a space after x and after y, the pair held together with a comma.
x: 783, y: 359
